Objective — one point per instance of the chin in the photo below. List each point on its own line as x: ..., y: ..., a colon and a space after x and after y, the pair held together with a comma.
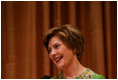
x: 60, y: 66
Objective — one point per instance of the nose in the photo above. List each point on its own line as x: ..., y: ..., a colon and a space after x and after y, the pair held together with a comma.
x: 53, y: 53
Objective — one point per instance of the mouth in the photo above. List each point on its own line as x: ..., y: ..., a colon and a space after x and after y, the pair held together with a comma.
x: 58, y: 59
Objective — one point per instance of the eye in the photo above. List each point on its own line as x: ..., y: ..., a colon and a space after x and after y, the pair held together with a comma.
x: 49, y: 51
x: 56, y: 46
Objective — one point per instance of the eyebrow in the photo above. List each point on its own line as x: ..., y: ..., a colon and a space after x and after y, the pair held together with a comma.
x: 54, y: 45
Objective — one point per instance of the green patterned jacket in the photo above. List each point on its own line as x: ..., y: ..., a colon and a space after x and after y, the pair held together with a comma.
x: 88, y: 74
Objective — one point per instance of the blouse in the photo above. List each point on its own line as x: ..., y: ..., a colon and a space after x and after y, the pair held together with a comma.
x: 88, y: 74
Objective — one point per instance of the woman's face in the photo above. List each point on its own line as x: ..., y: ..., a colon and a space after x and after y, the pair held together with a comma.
x: 61, y: 54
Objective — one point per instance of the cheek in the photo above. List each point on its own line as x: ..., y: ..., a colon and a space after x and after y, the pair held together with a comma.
x: 65, y: 50
x: 62, y: 49
x: 68, y: 52
x: 50, y: 56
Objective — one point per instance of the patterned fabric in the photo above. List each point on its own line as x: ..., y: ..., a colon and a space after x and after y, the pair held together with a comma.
x: 88, y: 74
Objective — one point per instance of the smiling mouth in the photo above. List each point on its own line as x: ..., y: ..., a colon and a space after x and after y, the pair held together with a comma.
x: 58, y: 59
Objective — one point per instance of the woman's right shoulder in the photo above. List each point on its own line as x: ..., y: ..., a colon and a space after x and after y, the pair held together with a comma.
x: 53, y: 77
x: 60, y: 76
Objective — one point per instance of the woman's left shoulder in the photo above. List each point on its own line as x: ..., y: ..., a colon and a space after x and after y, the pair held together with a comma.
x: 89, y: 74
x: 98, y: 77
x: 95, y: 75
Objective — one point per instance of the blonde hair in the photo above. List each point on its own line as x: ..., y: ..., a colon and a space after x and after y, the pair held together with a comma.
x: 70, y: 35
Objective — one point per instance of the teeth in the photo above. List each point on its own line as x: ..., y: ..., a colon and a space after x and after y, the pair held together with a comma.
x: 58, y: 59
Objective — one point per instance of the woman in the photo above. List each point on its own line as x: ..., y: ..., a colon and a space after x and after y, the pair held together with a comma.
x: 65, y: 46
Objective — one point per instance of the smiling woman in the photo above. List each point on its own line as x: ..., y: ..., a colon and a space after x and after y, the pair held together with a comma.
x: 65, y: 46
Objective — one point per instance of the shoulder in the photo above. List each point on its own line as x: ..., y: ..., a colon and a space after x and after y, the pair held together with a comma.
x: 95, y: 75
x: 89, y: 74
x: 60, y: 76
x: 53, y: 77
x: 98, y: 77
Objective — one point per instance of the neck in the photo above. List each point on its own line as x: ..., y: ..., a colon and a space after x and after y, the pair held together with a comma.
x: 73, y: 70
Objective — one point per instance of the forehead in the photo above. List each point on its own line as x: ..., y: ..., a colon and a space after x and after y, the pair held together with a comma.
x: 55, y: 40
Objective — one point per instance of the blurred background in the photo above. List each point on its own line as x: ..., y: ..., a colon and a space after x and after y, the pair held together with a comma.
x: 23, y: 23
